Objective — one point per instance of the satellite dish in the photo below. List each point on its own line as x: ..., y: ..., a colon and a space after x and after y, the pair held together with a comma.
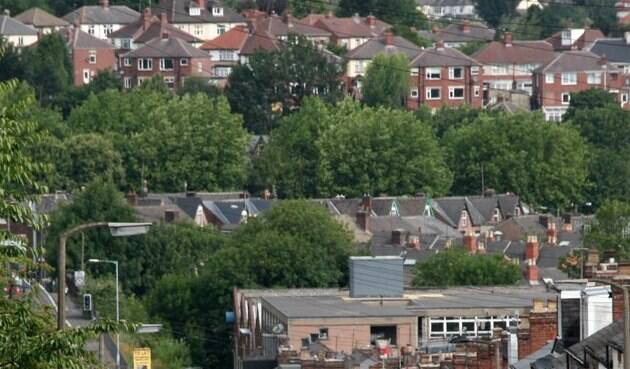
x: 278, y: 328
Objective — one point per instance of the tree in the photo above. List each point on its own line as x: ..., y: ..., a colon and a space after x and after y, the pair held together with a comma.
x: 545, y: 164
x: 492, y: 11
x: 386, y: 81
x: 195, y: 85
x: 609, y: 231
x: 446, y: 118
x: 589, y: 99
x: 275, y: 83
x: 403, y: 12
x: 411, y: 34
x: 11, y: 66
x: 455, y: 267
x: 472, y: 47
x: 378, y: 150
x: 301, y: 8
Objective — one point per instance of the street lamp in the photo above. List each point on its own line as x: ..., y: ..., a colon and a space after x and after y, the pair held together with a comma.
x: 116, y: 230
x: 115, y: 262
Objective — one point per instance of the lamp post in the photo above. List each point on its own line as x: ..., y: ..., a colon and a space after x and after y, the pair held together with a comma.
x: 116, y: 230
x: 115, y: 262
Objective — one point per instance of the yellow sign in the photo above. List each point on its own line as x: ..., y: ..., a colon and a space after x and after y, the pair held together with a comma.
x: 142, y: 358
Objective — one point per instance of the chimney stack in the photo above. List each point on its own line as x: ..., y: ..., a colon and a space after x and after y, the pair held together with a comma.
x: 363, y: 219
x: 435, y: 29
x: 371, y: 20
x: 470, y: 242
x: 329, y: 14
x: 531, y: 272
x: 439, y: 44
x: 552, y: 234
x: 201, y: 3
x: 165, y: 34
x: 507, y: 39
x: 163, y: 20
x: 603, y: 60
x: 531, y: 248
x: 389, y: 38
x: 104, y: 3
x: 146, y: 18
x: 466, y: 26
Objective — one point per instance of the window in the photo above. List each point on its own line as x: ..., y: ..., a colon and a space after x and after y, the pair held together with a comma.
x: 223, y: 72
x: 566, y: 98
x: 127, y: 62
x: 569, y: 78
x: 594, y: 78
x: 217, y: 11
x: 323, y: 333
x: 91, y: 29
x: 145, y: 64
x: 433, y: 93
x: 92, y: 57
x: 414, y: 93
x: 549, y: 78
x: 624, y: 98
x: 456, y: 73
x: 198, y: 29
x: 86, y: 76
x: 194, y: 11
x: 221, y: 29
x: 141, y: 80
x: 109, y: 29
x: 126, y: 43
x: 226, y: 55
x: 414, y: 71
x: 498, y: 70
x: 358, y: 66
x: 127, y: 82
x: 183, y: 61
x: 455, y: 93
x: 166, y: 64
x: 476, y: 91
x: 463, y: 219
x: 626, y: 69
x: 474, y: 70
x: 169, y: 82
x: 21, y: 41
x: 433, y: 73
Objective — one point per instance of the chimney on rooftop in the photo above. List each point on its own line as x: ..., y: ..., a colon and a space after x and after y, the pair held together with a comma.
x: 435, y: 29
x: 507, y: 39
x: 288, y: 18
x: 552, y: 234
x: 329, y: 14
x: 146, y: 18
x: 531, y: 272
x: 104, y: 3
x: 163, y: 20
x: 603, y: 60
x: 165, y: 34
x: 466, y: 26
x: 470, y: 242
x: 531, y: 249
x: 370, y: 20
x: 201, y: 3
x: 439, y: 44
x: 356, y: 18
x: 389, y: 38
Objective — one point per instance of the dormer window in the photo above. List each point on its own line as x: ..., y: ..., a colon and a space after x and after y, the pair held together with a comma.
x: 194, y: 11
x: 217, y: 12
x: 496, y: 215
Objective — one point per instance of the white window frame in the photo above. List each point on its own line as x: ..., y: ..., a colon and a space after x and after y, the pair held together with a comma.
x: 169, y: 80
x: 86, y: 76
x: 359, y: 67
x: 413, y: 93
x: 474, y: 70
x: 549, y: 78
x: 217, y: 11
x: 569, y: 78
x: 127, y: 62
x: 476, y: 91
x: 451, y: 72
x: 183, y: 61
x: 221, y: 29
x: 127, y: 82
x: 109, y: 28
x: 91, y: 29
x: 163, y: 64
x: 568, y: 98
x: 594, y: 78
x: 414, y: 71
x: 428, y: 93
x: 624, y: 98
x: 430, y: 73
x: 194, y: 11
x: 198, y: 29
x: 92, y: 57
x: 451, y: 92
x: 149, y: 64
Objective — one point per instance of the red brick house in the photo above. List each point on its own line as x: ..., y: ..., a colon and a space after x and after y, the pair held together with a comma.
x: 281, y: 27
x: 570, y: 72
x: 172, y: 58
x: 509, y: 65
x: 349, y: 32
x: 90, y: 56
x: 444, y: 77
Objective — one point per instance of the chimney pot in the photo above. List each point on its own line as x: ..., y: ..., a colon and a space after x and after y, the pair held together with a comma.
x: 201, y: 3
x: 389, y: 38
x: 146, y: 18
x: 439, y: 45
x: 329, y: 14
x: 507, y: 39
x: 371, y: 20
x: 104, y: 3
x: 531, y: 273
x: 531, y: 249
x: 603, y: 60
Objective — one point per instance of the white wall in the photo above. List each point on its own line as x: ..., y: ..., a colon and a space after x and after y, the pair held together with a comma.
x: 22, y: 41
x: 596, y: 309
x: 100, y: 30
x: 205, y: 31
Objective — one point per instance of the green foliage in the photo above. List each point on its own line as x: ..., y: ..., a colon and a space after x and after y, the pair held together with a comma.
x: 492, y: 11
x: 472, y: 47
x: 609, y: 232
x: 539, y: 24
x: 10, y: 64
x: 302, y: 8
x: 386, y: 81
x: 589, y: 99
x: 455, y: 267
x: 87, y: 157
x: 335, y: 48
x: 195, y: 85
x: 411, y: 34
x: 545, y: 164
x: 451, y: 118
x: 262, y: 91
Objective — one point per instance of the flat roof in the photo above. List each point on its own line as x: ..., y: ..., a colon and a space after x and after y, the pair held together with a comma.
x: 296, y: 307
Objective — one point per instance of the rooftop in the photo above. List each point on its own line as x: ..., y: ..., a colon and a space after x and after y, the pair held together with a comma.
x: 442, y: 56
x: 515, y: 52
x: 178, y: 11
x: 13, y: 27
x: 386, y: 44
x: 170, y: 47
x: 97, y: 14
x: 40, y: 18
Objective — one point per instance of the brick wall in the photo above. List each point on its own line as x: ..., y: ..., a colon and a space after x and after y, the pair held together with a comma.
x: 105, y: 60
x: 617, y: 304
x: 421, y: 83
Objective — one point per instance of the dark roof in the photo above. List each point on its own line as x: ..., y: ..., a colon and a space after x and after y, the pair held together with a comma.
x: 178, y: 12
x: 617, y: 50
x: 10, y: 27
x: 598, y: 341
x: 574, y: 61
x: 543, y: 352
x: 295, y: 307
x: 229, y: 211
x: 188, y: 204
x: 40, y: 18
x: 442, y: 56
x: 259, y: 41
x: 96, y: 14
x: 282, y: 26
x: 453, y: 207
x: 351, y: 27
x: 167, y: 47
x: 83, y: 40
x: 379, y: 45
x: 154, y: 28
x: 461, y: 32
x: 520, y: 52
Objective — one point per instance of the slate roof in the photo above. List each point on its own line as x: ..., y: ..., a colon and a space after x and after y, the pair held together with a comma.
x: 379, y: 45
x: 535, y: 356
x: 453, y: 207
x: 13, y: 27
x: 598, y: 341
x: 282, y: 26
x: 234, y: 39
x: 229, y: 211
x: 178, y: 12
x: 507, y: 107
x: 40, y: 18
x: 96, y: 14
x: 574, y: 61
x: 350, y: 27
x: 139, y: 34
x: 615, y: 49
x: 82, y: 40
x: 461, y: 32
x: 169, y: 47
x: 295, y: 307
x: 442, y: 56
x: 521, y: 52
